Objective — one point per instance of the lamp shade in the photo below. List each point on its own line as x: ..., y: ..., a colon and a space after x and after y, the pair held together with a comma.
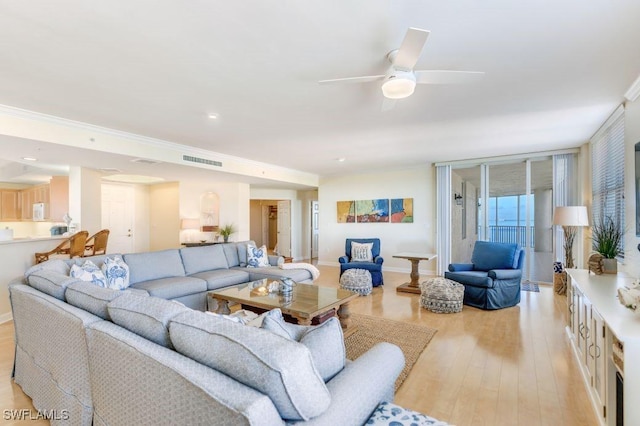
x: 189, y: 224
x: 571, y: 216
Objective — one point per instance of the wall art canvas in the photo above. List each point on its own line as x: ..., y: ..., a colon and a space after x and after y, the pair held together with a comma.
x: 402, y: 210
x: 368, y: 211
x: 346, y: 211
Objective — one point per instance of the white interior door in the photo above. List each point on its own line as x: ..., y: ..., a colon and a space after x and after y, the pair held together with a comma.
x: 117, y: 217
x: 284, y: 228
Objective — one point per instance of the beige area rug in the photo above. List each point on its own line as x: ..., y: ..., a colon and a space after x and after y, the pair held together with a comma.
x: 411, y: 338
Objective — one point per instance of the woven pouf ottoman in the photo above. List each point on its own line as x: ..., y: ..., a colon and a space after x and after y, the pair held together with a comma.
x: 441, y: 295
x: 358, y: 280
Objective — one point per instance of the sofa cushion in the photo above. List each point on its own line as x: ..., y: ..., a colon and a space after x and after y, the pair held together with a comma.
x: 172, y: 287
x: 154, y: 265
x: 91, y: 297
x: 50, y: 282
x: 205, y: 258
x: 117, y: 272
x: 146, y: 316
x: 488, y: 255
x: 223, y: 277
x: 281, y: 368
x: 231, y: 254
x: 89, y: 272
x: 57, y: 265
x: 325, y: 341
x: 242, y: 251
x: 97, y: 260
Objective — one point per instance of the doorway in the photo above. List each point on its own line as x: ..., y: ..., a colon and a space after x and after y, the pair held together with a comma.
x: 315, y: 230
x: 270, y: 225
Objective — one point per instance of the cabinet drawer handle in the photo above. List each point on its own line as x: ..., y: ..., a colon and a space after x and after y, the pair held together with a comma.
x: 580, y: 328
x: 597, y: 351
x: 590, y: 352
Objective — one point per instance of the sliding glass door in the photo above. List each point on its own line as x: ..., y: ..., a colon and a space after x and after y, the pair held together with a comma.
x: 509, y: 202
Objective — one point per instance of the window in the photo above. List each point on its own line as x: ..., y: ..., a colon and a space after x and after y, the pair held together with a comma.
x: 607, y: 168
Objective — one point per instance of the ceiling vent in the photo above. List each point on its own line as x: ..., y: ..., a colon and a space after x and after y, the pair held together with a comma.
x: 109, y: 170
x: 145, y: 161
x: 201, y: 160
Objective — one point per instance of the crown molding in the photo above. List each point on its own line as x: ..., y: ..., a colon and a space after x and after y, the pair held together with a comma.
x: 634, y: 91
x: 239, y: 165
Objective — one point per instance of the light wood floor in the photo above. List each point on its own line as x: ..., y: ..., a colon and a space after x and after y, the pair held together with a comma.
x: 508, y: 367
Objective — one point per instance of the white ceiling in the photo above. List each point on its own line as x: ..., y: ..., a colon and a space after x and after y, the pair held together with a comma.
x: 554, y: 71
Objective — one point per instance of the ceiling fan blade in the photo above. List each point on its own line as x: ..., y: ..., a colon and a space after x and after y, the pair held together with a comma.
x: 387, y: 104
x: 364, y: 79
x: 448, y: 77
x: 411, y: 48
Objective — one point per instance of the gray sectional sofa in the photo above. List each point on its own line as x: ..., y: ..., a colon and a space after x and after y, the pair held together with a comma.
x: 184, y: 275
x: 92, y: 355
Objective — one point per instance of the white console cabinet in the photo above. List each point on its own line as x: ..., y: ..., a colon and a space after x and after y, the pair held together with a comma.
x: 606, y: 341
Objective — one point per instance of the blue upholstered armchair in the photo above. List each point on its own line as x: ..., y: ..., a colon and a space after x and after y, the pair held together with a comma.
x: 375, y: 266
x: 492, y: 279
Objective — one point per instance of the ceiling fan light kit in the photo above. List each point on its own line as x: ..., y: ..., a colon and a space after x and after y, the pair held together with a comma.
x: 400, y: 80
x: 399, y: 85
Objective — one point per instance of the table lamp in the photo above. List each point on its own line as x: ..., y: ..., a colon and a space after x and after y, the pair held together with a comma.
x: 190, y: 225
x: 570, y: 218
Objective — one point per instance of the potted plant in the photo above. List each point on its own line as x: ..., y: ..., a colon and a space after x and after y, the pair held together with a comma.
x: 225, y: 231
x: 607, y: 235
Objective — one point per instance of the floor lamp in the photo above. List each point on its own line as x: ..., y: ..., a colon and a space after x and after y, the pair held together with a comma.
x: 570, y: 218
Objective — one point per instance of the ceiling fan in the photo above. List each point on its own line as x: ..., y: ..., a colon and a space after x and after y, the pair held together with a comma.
x: 400, y: 79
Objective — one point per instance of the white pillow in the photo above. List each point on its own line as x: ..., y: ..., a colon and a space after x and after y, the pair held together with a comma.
x: 257, y: 257
x: 116, y: 272
x: 361, y: 252
x: 89, y: 272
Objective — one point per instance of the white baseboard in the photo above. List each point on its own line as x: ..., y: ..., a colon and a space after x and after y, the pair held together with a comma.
x: 6, y: 317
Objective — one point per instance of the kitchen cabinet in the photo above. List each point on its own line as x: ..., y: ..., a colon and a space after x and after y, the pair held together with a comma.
x: 10, y: 206
x: 55, y: 196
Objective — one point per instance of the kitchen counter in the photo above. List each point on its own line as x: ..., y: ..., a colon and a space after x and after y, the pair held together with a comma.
x: 34, y: 238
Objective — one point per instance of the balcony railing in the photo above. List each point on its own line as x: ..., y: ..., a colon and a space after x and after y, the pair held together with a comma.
x: 511, y: 234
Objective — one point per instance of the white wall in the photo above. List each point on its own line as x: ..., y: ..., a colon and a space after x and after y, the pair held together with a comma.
x: 234, y: 204
x: 164, y: 221
x: 419, y: 236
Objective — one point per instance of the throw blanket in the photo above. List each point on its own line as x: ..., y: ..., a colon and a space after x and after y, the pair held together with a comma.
x: 315, y: 273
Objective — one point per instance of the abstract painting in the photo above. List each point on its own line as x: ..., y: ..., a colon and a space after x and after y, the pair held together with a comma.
x: 346, y: 212
x: 402, y: 210
x: 368, y: 211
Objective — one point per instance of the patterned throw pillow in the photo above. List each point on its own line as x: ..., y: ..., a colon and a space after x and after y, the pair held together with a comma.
x: 116, y: 272
x: 257, y: 257
x: 389, y: 414
x: 89, y: 272
x: 361, y: 252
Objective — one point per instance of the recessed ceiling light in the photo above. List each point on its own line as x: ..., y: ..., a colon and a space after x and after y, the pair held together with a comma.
x: 214, y: 116
x: 341, y: 159
x: 29, y: 159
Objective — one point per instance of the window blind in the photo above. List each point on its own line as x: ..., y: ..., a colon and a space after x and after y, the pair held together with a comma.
x: 607, y: 168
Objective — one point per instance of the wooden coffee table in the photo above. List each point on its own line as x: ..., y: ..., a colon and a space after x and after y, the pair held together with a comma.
x: 305, y: 303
